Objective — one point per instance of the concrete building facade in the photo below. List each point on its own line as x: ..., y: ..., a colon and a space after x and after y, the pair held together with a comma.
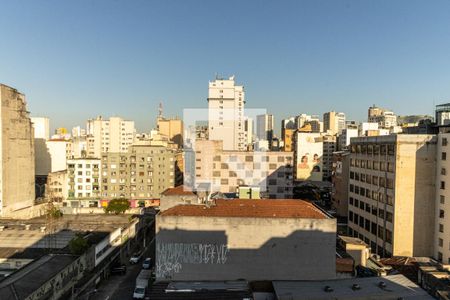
x: 144, y: 172
x: 225, y: 171
x: 113, y: 135
x: 442, y: 212
x: 390, y: 190
x: 340, y: 181
x: 329, y: 146
x: 172, y: 129
x: 249, y: 239
x: 17, y: 169
x: 226, y: 102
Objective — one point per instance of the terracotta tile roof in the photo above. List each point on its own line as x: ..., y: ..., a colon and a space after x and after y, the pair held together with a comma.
x: 279, y: 208
x: 179, y: 190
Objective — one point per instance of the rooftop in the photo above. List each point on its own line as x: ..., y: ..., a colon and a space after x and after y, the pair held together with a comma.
x: 200, y: 290
x: 280, y: 208
x: 24, y: 282
x: 178, y: 191
x: 396, y: 287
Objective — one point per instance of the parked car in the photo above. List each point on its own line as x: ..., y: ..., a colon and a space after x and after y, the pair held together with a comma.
x: 147, y: 264
x: 135, y: 258
x: 119, y: 269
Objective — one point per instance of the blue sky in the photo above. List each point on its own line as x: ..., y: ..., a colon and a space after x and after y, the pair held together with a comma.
x: 79, y: 59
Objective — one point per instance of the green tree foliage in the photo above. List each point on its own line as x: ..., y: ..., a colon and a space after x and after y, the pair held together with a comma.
x: 78, y: 245
x: 117, y: 206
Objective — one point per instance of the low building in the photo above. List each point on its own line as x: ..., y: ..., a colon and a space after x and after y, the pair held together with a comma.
x: 386, y: 288
x: 178, y: 195
x: 56, y: 187
x: 249, y: 239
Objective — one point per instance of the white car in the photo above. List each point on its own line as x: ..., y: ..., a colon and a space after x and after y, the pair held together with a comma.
x: 135, y: 258
x: 139, y: 293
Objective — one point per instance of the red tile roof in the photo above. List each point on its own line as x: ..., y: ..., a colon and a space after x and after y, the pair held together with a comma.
x: 179, y: 190
x: 266, y: 208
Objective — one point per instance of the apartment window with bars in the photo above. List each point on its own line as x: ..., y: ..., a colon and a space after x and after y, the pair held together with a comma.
x: 444, y: 155
x: 444, y: 141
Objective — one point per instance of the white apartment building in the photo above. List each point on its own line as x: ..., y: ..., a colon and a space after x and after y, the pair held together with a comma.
x: 226, y: 102
x: 83, y: 179
x: 334, y: 122
x: 391, y: 192
x: 442, y: 215
x: 113, y: 135
x: 344, y: 138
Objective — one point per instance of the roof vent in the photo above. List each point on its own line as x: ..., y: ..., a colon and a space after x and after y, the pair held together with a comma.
x: 356, y: 287
x: 382, y: 285
x: 328, y: 289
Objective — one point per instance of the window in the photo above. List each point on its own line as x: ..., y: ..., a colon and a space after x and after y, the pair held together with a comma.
x: 441, y: 213
x: 224, y: 166
x: 444, y: 141
x: 248, y: 158
x: 441, y: 228
x: 444, y: 155
x: 440, y: 242
x: 442, y: 185
x: 443, y: 171
x: 442, y: 199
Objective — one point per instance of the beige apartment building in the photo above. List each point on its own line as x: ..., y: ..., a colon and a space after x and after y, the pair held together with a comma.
x: 144, y: 172
x: 391, y: 193
x: 172, y: 129
x: 17, y: 189
x: 225, y: 171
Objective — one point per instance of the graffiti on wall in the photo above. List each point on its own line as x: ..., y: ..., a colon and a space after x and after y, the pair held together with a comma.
x: 170, y: 257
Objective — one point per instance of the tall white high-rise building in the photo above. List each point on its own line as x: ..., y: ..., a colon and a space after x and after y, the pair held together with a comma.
x: 226, y: 113
x: 264, y: 127
x: 113, y: 135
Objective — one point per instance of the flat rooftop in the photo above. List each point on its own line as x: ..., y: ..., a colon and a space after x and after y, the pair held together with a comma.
x: 397, y: 287
x: 28, y: 279
x: 180, y: 190
x: 247, y: 208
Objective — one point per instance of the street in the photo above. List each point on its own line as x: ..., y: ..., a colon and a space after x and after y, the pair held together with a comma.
x: 119, y: 287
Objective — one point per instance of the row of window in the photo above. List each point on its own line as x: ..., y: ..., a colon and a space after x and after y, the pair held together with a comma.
x: 371, y: 179
x: 369, y: 226
x: 372, y: 165
x: 373, y: 149
x: 374, y: 195
x: 370, y: 209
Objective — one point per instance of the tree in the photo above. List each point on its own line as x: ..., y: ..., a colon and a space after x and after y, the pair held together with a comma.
x: 117, y: 206
x: 78, y: 245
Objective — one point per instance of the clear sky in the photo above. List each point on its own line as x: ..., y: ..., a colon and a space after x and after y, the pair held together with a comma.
x: 79, y: 59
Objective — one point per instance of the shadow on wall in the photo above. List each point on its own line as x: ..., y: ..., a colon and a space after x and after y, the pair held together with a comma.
x: 43, y: 166
x: 210, y: 255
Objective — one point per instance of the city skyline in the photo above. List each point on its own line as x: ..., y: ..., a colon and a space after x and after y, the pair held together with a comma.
x: 101, y: 56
